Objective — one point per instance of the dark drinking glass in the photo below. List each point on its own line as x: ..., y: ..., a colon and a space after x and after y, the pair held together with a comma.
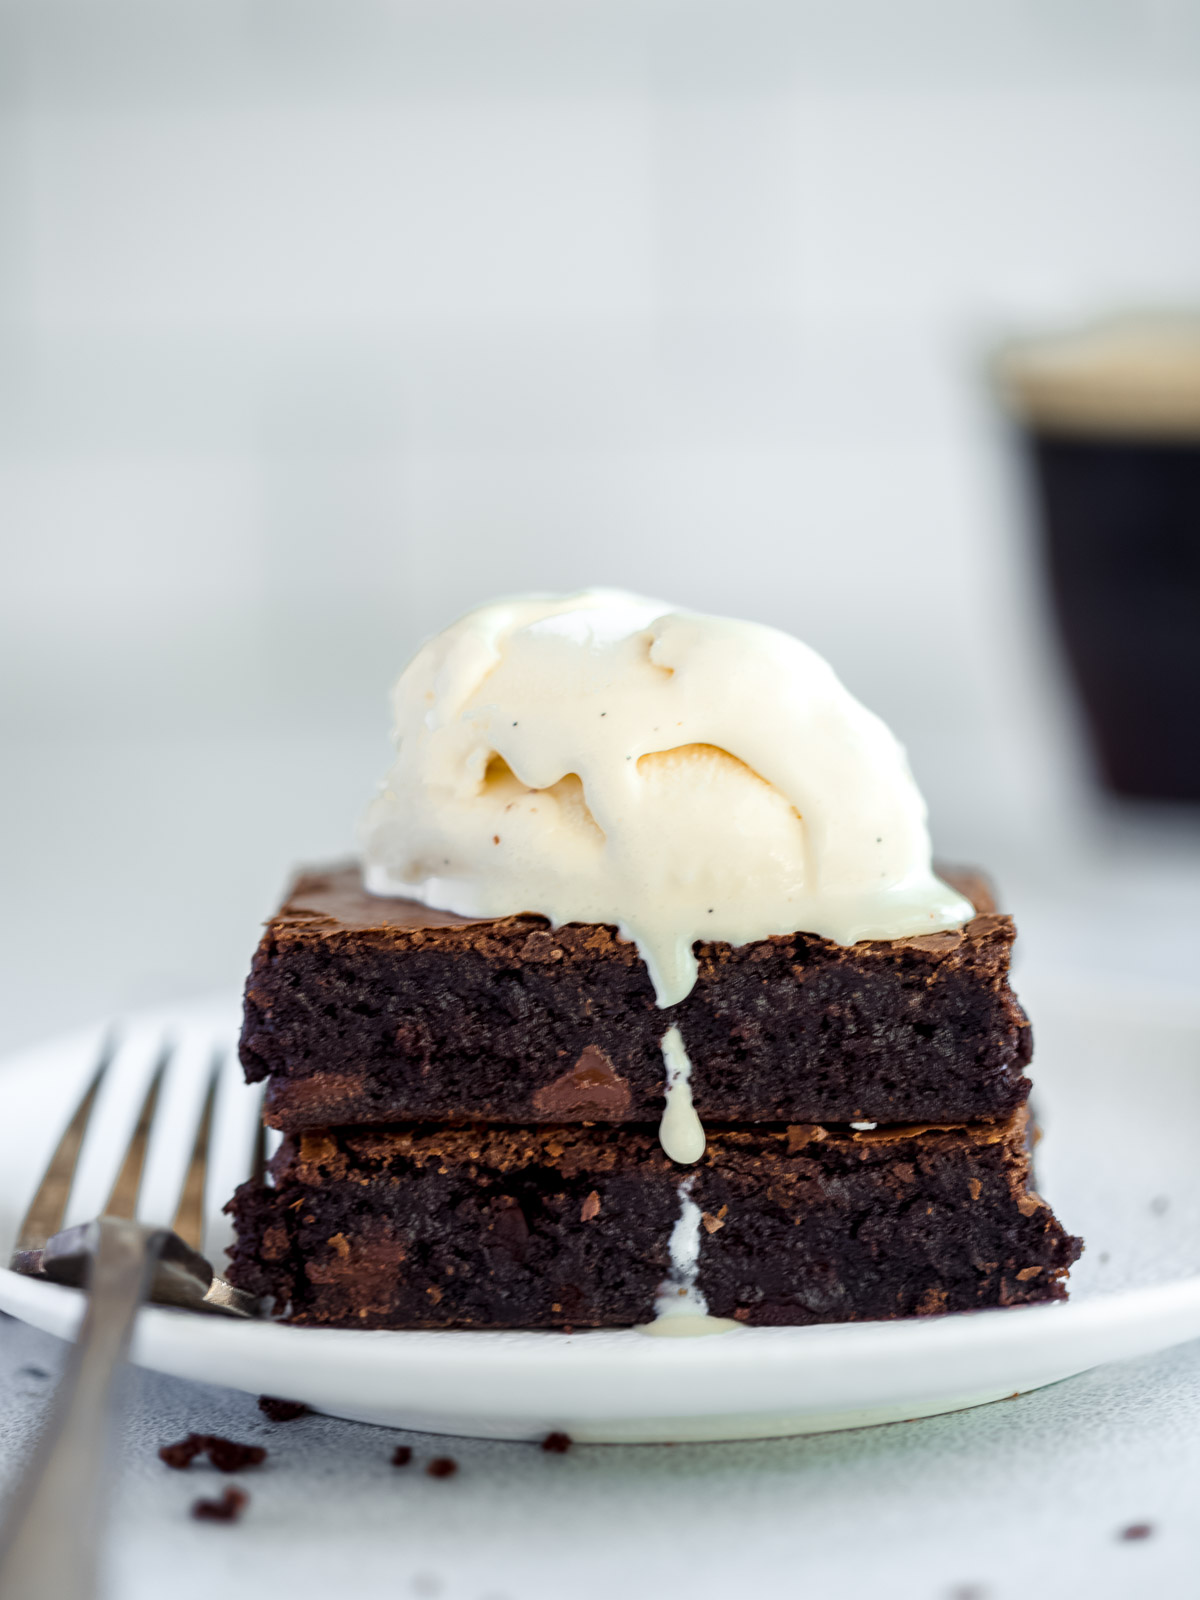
x: 1111, y: 419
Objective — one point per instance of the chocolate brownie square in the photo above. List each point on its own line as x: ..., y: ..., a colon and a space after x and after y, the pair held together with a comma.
x: 364, y: 1010
x: 551, y: 1226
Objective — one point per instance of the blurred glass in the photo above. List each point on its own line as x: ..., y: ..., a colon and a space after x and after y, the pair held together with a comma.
x: 1111, y: 419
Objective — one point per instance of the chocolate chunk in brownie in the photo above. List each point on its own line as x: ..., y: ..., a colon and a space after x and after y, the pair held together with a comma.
x: 366, y: 1010
x: 558, y: 1226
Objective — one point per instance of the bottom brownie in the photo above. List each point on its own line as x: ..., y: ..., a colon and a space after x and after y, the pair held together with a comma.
x: 553, y: 1227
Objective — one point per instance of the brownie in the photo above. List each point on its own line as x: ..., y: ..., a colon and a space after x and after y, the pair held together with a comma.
x: 366, y: 1010
x: 563, y: 1225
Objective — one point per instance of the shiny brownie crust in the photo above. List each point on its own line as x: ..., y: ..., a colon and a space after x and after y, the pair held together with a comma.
x: 565, y: 1226
x: 364, y: 1010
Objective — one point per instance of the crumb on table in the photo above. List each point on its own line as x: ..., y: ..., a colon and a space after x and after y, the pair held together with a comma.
x: 278, y: 1410
x: 225, y: 1454
x: 228, y: 1508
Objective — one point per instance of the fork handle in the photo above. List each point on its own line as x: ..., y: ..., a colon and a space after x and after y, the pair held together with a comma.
x: 50, y: 1544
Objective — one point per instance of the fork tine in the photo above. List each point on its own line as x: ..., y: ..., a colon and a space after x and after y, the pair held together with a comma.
x: 44, y: 1216
x: 189, y: 1214
x: 122, y: 1201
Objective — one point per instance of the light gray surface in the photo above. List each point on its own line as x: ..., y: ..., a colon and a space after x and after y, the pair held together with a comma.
x: 1024, y: 1498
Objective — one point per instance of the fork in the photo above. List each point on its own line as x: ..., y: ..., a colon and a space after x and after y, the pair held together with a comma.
x: 50, y: 1543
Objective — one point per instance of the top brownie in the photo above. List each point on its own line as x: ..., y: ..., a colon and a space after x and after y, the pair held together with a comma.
x: 362, y: 1009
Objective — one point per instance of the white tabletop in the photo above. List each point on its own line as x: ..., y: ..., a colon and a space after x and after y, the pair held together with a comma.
x: 1024, y: 1498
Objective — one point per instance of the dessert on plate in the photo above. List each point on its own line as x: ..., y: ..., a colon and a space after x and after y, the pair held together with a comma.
x: 644, y: 1006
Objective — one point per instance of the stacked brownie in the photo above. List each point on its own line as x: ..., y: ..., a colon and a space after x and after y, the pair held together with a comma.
x: 471, y: 1108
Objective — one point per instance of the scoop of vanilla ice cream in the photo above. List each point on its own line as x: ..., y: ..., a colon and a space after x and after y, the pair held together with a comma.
x: 599, y: 757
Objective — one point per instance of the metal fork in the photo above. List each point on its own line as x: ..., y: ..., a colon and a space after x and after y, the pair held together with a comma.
x: 51, y: 1540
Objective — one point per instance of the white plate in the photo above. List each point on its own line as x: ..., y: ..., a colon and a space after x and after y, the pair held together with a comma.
x: 1118, y: 1092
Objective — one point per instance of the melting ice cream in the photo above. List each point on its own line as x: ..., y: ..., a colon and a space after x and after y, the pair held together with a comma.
x: 599, y: 757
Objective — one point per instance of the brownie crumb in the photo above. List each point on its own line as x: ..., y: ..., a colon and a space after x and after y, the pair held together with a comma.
x: 227, y: 1509
x: 183, y: 1453
x: 225, y: 1454
x: 442, y: 1467
x: 1137, y: 1530
x: 401, y: 1455
x: 557, y: 1443
x: 277, y: 1410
